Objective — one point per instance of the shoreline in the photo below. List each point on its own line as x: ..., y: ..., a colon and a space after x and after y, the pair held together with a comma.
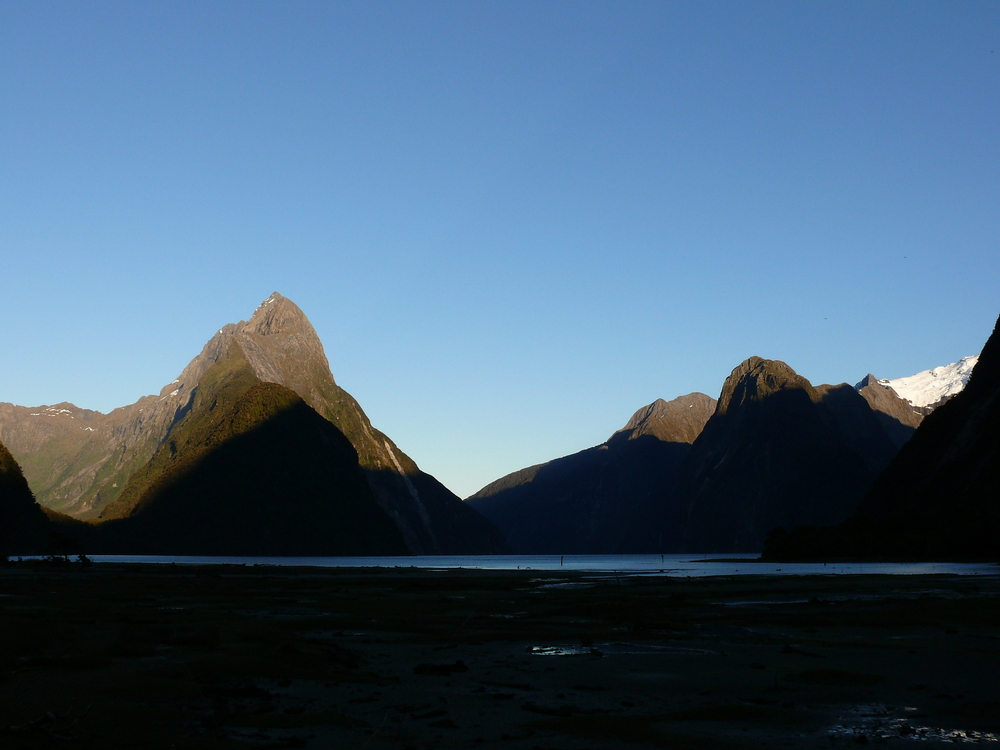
x: 122, y: 655
x: 675, y: 565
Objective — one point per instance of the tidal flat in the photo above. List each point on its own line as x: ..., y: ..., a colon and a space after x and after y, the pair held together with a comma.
x: 229, y: 656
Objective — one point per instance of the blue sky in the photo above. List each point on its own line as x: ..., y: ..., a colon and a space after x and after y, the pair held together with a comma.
x: 512, y: 224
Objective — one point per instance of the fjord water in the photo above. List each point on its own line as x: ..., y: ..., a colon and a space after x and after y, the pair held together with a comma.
x: 676, y: 565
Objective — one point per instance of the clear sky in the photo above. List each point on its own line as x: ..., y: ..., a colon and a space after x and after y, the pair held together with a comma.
x: 511, y: 223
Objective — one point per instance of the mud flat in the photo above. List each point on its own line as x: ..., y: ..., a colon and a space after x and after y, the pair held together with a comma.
x: 161, y: 656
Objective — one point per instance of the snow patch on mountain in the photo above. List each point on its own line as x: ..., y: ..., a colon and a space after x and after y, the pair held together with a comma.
x: 930, y: 386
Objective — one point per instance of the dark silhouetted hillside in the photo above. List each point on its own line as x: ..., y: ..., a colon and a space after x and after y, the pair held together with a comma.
x: 940, y: 496
x: 613, y: 498
x: 24, y: 528
x: 777, y: 452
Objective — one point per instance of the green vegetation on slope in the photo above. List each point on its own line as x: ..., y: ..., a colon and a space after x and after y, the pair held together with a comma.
x: 250, y: 470
x: 216, y: 416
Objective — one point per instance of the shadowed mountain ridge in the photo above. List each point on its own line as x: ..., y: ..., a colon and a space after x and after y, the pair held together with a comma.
x: 777, y: 451
x: 604, y: 500
x: 939, y: 498
x: 695, y: 475
x: 250, y: 470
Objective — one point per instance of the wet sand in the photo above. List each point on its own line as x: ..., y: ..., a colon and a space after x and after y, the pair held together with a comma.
x: 144, y: 656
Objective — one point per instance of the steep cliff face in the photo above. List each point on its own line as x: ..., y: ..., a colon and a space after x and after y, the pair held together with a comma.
x: 281, y: 346
x: 251, y: 469
x: 940, y: 497
x: 23, y: 527
x: 613, y: 498
x: 777, y: 452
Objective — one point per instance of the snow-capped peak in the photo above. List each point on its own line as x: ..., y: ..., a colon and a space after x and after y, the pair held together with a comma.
x: 930, y: 386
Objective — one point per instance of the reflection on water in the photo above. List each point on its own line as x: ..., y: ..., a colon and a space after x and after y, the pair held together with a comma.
x: 679, y: 566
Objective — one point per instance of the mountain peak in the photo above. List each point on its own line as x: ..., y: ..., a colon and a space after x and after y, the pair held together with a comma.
x: 277, y: 315
x: 677, y: 421
x: 895, y: 414
x: 930, y: 388
x: 278, y: 341
x: 755, y: 379
x: 868, y: 380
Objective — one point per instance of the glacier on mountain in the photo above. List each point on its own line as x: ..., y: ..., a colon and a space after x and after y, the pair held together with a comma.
x: 931, y: 386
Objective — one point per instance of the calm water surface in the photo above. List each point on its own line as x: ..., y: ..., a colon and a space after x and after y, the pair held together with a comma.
x: 668, y: 565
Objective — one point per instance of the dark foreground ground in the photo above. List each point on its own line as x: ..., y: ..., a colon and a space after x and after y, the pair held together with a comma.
x: 117, y: 656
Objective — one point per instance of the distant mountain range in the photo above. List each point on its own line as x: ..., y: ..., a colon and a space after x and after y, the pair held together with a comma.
x: 253, y: 449
x: 704, y: 476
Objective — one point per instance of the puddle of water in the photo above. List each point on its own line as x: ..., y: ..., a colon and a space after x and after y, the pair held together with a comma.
x: 616, y: 649
x: 880, y: 722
